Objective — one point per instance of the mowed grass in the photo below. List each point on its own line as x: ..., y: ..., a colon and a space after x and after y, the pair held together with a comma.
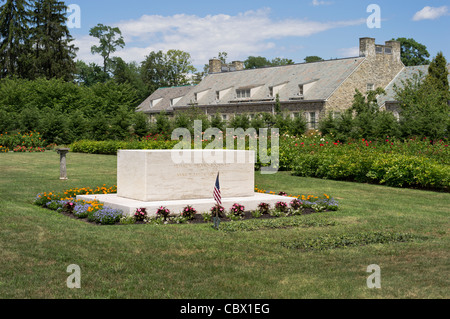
x: 195, y: 261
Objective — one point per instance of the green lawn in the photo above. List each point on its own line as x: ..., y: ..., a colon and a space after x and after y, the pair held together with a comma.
x: 195, y: 261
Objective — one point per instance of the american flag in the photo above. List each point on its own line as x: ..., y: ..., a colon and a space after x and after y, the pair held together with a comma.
x: 217, y: 195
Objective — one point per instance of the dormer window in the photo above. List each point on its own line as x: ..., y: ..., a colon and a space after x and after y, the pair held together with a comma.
x: 242, y: 94
x: 301, y: 89
x: 175, y: 101
x: 154, y: 102
x: 370, y: 86
x: 200, y: 95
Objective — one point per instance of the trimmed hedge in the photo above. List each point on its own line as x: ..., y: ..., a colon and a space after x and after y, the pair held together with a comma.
x: 374, y: 167
x: 111, y: 147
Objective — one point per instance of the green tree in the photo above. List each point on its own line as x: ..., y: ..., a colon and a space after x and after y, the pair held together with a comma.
x: 256, y: 62
x: 14, y: 37
x: 297, y: 126
x: 424, y: 108
x: 313, y: 58
x: 162, y: 125
x: 413, y: 52
x: 438, y: 72
x: 53, y: 53
x: 218, y: 122
x: 90, y: 74
x: 129, y: 73
x: 140, y: 124
x: 281, y: 61
x: 110, y: 39
x: 161, y: 69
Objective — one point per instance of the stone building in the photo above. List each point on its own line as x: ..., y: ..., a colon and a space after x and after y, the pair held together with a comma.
x: 388, y: 101
x: 308, y: 89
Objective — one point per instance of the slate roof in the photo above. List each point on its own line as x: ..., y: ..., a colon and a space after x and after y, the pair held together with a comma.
x: 166, y: 95
x: 407, y: 73
x: 327, y: 75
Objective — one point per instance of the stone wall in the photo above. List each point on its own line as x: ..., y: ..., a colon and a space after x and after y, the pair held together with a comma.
x: 254, y: 108
x: 378, y: 69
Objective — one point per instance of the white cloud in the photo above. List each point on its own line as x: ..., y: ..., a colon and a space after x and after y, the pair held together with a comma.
x: 241, y: 35
x: 320, y: 3
x: 430, y: 13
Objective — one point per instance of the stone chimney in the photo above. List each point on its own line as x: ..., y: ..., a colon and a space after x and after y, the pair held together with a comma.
x: 215, y: 66
x: 238, y: 65
x: 390, y: 50
x: 367, y: 47
x: 396, y: 48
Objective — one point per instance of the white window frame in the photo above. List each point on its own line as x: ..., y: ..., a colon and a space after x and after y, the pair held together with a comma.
x: 243, y: 93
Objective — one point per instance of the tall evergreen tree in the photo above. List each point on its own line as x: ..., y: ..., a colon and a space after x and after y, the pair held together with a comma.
x: 438, y: 72
x: 14, y: 21
x: 53, y: 53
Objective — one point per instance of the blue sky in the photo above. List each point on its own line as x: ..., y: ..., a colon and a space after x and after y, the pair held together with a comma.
x: 290, y: 29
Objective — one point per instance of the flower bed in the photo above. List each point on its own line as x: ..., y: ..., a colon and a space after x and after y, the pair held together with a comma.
x: 97, y: 213
x: 22, y: 142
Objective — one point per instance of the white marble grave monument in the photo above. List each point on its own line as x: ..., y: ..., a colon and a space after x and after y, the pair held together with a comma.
x: 177, y: 178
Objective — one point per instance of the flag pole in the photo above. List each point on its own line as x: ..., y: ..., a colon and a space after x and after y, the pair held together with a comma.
x: 218, y: 199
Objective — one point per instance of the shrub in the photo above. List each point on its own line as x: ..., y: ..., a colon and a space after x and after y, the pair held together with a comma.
x: 237, y: 210
x: 68, y: 207
x: 264, y: 208
x: 163, y: 212
x: 111, y: 147
x: 140, y: 214
x: 296, y: 204
x: 218, y: 210
x: 281, y: 207
x: 188, y: 212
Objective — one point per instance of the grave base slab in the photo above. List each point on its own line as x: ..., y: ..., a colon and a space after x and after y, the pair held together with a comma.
x: 129, y: 206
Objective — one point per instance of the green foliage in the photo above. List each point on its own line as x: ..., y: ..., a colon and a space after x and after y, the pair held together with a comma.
x: 438, y: 73
x: 313, y: 58
x: 111, y: 147
x: 30, y: 139
x: 364, y: 162
x: 363, y: 120
x: 412, y: 52
x: 253, y: 62
x: 110, y: 38
x: 35, y: 41
x: 161, y: 69
x: 424, y: 108
x: 52, y: 54
x: 14, y: 29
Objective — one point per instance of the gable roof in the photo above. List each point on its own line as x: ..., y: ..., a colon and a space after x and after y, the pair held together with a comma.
x: 405, y: 74
x: 164, y: 97
x: 321, y: 79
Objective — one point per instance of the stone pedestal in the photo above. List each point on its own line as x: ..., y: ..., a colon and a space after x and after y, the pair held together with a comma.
x: 62, y: 162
